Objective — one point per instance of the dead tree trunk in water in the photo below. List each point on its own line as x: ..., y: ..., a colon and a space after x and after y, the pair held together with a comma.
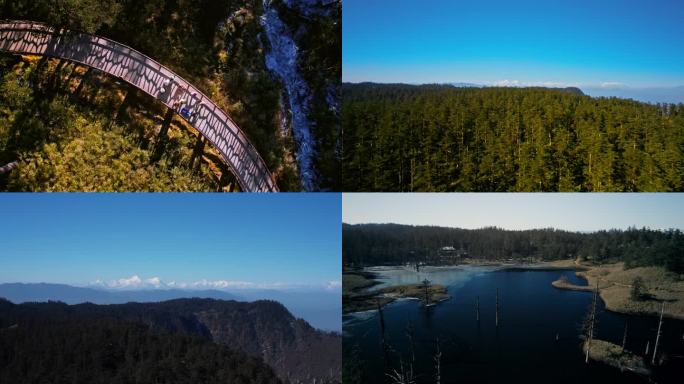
x: 382, y: 335
x: 438, y: 364
x: 410, y: 334
x: 660, y: 325
x: 497, y: 307
x: 648, y: 344
x: 592, y: 319
x: 428, y: 291
x: 624, y: 337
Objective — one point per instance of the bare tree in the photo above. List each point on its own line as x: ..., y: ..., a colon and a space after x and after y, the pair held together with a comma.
x: 660, y: 325
x: 402, y: 376
x: 427, y: 286
x: 410, y: 333
x: 497, y: 307
x: 438, y: 364
x: 590, y: 324
x: 385, y: 348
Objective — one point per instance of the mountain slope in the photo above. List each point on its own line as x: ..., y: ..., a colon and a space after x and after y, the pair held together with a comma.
x: 263, y: 329
x: 321, y: 309
x: 54, y: 343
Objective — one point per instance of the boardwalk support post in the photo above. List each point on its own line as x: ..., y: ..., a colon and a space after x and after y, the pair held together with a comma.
x: 81, y: 83
x: 197, y: 153
x: 163, y: 135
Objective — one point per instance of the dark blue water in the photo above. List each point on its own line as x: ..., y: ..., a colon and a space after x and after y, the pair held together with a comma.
x: 523, y: 348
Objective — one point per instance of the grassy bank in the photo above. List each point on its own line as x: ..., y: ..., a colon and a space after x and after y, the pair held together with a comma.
x: 416, y: 291
x: 355, y: 294
x: 615, y: 285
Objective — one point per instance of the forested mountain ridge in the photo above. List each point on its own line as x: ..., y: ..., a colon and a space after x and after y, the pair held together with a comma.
x: 375, y: 244
x: 220, y: 47
x: 54, y: 343
x: 262, y: 329
x: 401, y: 137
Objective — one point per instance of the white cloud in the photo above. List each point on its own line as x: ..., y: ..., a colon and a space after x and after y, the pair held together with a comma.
x: 333, y: 285
x: 612, y: 84
x: 222, y: 284
x: 133, y: 281
x: 154, y: 281
x: 136, y: 282
x: 506, y: 83
x: 517, y: 83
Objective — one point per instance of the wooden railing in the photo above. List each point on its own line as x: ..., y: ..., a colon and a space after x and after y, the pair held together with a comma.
x: 121, y: 61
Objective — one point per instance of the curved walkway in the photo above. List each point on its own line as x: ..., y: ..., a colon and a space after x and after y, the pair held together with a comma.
x: 26, y: 37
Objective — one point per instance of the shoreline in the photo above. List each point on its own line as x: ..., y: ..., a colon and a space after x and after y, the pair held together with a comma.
x: 614, y: 289
x: 614, y: 285
x: 358, y: 295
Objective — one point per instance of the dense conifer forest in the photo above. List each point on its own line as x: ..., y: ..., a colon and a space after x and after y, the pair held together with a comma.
x: 219, y: 46
x: 57, y: 344
x: 374, y: 244
x: 442, y: 138
x: 176, y: 341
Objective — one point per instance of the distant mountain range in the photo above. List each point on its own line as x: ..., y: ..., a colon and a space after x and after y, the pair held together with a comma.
x: 321, y: 309
x: 264, y: 329
x: 651, y: 95
x: 466, y: 85
x: 672, y: 95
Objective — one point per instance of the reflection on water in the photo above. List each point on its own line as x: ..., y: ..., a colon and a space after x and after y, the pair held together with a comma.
x: 448, y: 276
x: 537, y: 339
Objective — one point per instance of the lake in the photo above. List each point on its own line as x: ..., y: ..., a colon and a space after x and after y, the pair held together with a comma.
x: 537, y: 339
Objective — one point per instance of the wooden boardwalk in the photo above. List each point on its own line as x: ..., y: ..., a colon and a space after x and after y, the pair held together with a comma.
x: 121, y: 61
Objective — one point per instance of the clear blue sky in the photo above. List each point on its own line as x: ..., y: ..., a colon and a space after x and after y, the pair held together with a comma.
x: 582, y: 42
x: 292, y: 239
x: 569, y: 211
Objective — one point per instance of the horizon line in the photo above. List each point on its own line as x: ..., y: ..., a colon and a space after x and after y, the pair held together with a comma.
x: 145, y: 285
x: 586, y: 231
x: 608, y: 85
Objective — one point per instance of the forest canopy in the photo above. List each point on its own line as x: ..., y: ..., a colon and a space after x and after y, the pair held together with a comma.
x: 55, y: 343
x: 220, y: 47
x: 374, y: 244
x: 442, y: 138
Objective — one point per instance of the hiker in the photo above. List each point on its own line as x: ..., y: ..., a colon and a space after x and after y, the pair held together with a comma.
x: 166, y: 84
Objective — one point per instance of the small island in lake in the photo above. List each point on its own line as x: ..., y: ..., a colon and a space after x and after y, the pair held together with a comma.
x: 616, y: 356
x: 357, y: 296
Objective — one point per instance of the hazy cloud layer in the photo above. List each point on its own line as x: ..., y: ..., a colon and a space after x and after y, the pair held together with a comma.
x: 136, y: 282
